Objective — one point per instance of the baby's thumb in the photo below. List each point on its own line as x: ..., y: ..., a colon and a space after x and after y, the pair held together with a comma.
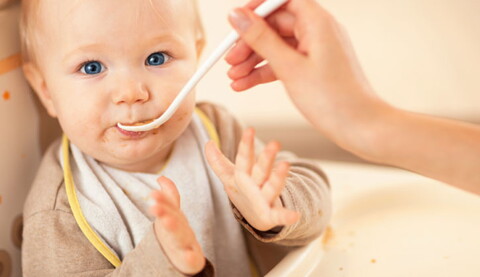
x: 255, y: 31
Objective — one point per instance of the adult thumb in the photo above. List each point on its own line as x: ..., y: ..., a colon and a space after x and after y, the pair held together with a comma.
x: 255, y: 32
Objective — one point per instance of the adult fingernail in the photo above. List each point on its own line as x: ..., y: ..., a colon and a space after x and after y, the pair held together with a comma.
x: 240, y: 20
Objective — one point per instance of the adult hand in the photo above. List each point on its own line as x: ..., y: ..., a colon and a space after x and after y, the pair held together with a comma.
x: 310, y: 52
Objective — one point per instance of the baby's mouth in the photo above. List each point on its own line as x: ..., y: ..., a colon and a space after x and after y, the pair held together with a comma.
x: 138, y: 123
x: 140, y: 126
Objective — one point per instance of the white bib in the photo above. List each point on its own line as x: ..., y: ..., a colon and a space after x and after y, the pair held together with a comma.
x: 116, y: 203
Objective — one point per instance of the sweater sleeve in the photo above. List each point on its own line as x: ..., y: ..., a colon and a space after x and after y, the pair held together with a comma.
x: 306, y: 191
x: 55, y: 246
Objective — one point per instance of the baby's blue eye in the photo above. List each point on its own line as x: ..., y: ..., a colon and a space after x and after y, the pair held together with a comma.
x: 157, y: 59
x: 92, y: 68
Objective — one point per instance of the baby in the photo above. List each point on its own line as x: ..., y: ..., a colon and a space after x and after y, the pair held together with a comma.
x: 96, y: 63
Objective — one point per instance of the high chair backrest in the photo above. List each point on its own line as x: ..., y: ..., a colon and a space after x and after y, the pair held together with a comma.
x: 20, y: 150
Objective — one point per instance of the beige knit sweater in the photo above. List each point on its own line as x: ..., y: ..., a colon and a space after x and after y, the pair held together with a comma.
x: 54, y: 245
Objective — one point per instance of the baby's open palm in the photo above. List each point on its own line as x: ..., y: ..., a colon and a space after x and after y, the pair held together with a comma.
x: 254, y: 185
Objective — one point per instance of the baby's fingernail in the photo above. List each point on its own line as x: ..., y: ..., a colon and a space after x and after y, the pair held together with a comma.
x: 240, y: 20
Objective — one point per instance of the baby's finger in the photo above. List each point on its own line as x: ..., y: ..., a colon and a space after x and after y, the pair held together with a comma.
x: 263, y: 167
x: 246, y: 153
x: 260, y: 75
x: 161, y: 210
x: 168, y: 186
x: 243, y: 69
x: 232, y: 192
x: 220, y: 164
x: 284, y: 217
x: 170, y: 222
x: 181, y: 231
x: 179, y: 242
x: 175, y: 222
x: 275, y: 184
x: 194, y: 257
x: 162, y: 199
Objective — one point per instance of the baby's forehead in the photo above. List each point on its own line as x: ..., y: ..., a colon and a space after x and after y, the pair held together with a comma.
x: 93, y: 15
x: 100, y: 19
x: 50, y: 26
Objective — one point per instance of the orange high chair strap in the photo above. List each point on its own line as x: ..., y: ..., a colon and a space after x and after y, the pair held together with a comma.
x: 10, y: 63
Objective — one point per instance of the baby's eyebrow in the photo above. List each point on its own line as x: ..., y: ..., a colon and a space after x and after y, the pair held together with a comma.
x: 84, y: 48
x: 165, y: 37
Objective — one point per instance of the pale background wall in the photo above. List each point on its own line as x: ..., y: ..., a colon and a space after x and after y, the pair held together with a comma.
x: 421, y: 55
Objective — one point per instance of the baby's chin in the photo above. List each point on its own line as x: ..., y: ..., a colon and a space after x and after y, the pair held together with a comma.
x: 131, y: 163
x: 136, y: 157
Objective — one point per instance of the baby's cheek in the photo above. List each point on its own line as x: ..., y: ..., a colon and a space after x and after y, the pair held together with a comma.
x: 85, y: 134
x: 184, y: 115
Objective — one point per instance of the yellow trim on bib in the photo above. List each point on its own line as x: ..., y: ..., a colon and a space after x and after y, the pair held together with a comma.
x: 212, y: 132
x: 77, y: 211
x: 10, y: 63
x: 253, y: 268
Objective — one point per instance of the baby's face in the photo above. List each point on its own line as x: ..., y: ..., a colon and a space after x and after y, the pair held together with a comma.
x: 113, y: 61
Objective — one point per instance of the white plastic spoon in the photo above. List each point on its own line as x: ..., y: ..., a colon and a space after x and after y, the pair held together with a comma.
x: 263, y: 10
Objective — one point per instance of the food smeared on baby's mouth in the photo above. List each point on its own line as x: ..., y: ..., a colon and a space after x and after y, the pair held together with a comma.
x: 138, y: 123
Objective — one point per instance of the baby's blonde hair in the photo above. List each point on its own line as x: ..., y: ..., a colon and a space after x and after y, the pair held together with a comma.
x: 29, y: 14
x: 29, y: 21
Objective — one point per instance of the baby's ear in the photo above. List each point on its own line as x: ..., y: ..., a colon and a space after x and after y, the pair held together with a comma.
x: 37, y: 82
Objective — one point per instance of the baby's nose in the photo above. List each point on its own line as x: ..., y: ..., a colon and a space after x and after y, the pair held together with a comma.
x: 130, y: 92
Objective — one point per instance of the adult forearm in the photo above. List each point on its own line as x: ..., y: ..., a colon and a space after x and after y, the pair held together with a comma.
x: 442, y: 149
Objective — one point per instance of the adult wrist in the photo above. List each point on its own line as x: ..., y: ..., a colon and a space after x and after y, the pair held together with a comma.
x: 375, y: 131
x: 360, y: 127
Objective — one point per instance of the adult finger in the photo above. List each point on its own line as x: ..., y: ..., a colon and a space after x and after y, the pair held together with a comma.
x: 245, y: 68
x: 261, y: 75
x: 238, y: 53
x: 264, y: 40
x: 282, y: 22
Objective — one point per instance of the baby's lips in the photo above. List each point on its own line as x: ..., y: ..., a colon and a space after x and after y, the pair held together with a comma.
x: 139, y: 123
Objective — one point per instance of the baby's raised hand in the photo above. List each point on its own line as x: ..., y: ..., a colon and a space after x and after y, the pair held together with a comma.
x: 173, y: 230
x: 254, y: 185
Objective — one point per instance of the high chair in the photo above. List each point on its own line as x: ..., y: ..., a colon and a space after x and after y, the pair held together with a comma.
x: 19, y: 140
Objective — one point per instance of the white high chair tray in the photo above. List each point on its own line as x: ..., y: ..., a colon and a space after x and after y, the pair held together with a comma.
x: 390, y: 222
